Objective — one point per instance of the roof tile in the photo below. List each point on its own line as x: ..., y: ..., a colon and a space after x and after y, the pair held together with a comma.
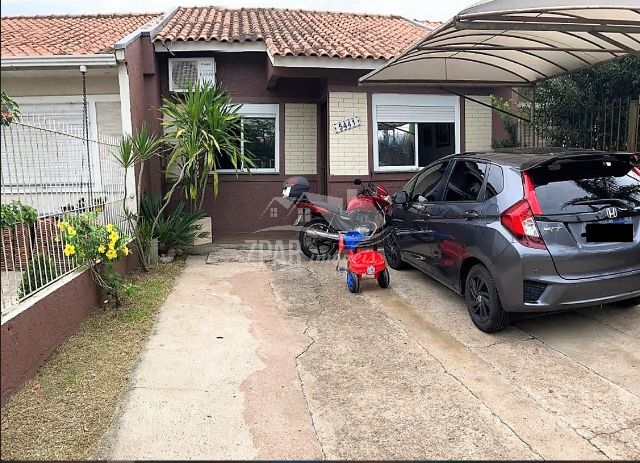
x: 288, y: 32
x: 67, y: 34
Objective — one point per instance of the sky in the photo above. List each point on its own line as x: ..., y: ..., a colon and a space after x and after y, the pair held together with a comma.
x: 435, y: 10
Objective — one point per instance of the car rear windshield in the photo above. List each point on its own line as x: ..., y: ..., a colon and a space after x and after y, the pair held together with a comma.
x: 564, y: 188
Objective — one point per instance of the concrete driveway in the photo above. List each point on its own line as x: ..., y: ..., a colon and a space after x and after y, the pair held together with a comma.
x: 276, y: 359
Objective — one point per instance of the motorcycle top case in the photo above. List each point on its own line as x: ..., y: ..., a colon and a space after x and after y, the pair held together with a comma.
x: 295, y: 187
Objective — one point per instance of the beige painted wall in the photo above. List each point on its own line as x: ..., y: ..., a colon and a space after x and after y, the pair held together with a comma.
x: 63, y: 85
x: 477, y: 124
x: 108, y: 118
x: 348, y: 151
x: 300, y: 138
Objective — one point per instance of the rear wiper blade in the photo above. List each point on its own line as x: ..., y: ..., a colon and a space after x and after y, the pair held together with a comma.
x: 590, y: 202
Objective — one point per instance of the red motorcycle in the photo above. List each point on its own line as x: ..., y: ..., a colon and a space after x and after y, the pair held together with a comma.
x: 320, y: 234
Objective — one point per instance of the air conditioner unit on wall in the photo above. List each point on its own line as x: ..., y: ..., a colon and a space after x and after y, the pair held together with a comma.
x: 186, y: 72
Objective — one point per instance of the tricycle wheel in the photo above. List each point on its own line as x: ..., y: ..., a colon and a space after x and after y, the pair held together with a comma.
x: 383, y: 278
x: 353, y: 282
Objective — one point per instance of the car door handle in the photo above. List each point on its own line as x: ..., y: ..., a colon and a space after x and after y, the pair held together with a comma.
x: 470, y: 215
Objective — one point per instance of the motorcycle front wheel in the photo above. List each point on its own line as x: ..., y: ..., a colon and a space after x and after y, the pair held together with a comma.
x: 317, y: 248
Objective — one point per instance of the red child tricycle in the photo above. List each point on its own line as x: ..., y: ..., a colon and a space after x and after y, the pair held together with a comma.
x: 361, y: 262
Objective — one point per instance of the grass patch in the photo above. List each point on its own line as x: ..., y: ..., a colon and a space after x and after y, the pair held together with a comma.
x: 64, y: 411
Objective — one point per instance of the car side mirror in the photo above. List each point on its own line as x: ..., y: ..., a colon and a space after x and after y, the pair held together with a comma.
x: 357, y: 182
x: 400, y: 197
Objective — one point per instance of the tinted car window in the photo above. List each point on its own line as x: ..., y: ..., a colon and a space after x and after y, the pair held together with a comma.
x: 465, y: 181
x: 429, y: 184
x: 561, y: 188
x: 495, y: 182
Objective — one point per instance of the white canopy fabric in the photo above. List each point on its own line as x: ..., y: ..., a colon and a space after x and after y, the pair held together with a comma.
x: 517, y: 43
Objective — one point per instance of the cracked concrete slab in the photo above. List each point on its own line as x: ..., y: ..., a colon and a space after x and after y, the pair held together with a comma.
x: 602, y: 350
x: 261, y: 355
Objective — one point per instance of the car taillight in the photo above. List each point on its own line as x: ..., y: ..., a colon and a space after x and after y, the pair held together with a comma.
x: 530, y: 194
x: 519, y: 219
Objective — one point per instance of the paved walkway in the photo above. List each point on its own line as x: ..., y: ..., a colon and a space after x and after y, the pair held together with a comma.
x: 278, y: 360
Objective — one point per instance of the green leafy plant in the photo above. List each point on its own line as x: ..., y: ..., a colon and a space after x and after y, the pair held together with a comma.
x: 203, y: 130
x: 40, y: 271
x: 137, y: 150
x: 15, y: 212
x: 509, y: 123
x: 99, y: 246
x: 177, y: 228
x: 10, y: 109
x: 570, y: 108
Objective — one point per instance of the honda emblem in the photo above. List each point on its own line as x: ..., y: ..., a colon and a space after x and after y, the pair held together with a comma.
x: 612, y: 212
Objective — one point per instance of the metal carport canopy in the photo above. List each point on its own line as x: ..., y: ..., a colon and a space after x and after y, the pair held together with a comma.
x: 517, y: 43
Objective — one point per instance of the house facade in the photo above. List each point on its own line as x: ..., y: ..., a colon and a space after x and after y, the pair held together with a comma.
x: 296, y: 74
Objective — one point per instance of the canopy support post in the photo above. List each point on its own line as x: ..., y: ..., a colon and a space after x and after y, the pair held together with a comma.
x: 533, y: 116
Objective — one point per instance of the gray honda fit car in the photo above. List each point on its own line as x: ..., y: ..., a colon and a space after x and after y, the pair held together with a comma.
x: 523, y: 230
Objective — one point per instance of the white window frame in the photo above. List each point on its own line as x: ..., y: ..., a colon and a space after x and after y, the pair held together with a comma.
x: 91, y: 115
x: 412, y: 100
x: 260, y: 110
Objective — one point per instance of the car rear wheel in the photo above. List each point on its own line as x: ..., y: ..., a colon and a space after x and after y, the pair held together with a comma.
x: 483, y: 302
x: 393, y: 253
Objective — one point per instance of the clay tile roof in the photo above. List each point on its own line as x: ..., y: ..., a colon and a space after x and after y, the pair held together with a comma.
x: 288, y: 32
x: 68, y: 34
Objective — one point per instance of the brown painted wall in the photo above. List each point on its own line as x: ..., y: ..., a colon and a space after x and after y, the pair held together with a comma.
x: 243, y: 202
x: 243, y: 206
x: 244, y: 75
x: 144, y: 90
x: 28, y: 339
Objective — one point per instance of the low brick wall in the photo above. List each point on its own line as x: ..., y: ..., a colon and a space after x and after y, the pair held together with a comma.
x: 30, y: 337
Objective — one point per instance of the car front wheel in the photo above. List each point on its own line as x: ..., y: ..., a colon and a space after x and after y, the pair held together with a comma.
x: 483, y: 303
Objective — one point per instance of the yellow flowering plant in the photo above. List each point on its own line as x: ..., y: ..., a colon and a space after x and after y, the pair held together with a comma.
x: 100, y: 246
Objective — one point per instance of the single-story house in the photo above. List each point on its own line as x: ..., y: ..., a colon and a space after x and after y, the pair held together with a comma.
x: 295, y: 72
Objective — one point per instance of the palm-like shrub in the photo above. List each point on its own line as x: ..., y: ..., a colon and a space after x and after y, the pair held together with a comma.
x: 203, y: 129
x: 176, y: 228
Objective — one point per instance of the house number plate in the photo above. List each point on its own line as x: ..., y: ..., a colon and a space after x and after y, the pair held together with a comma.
x: 347, y: 124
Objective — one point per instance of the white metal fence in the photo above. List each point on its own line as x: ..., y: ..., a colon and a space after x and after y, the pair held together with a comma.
x: 50, y: 167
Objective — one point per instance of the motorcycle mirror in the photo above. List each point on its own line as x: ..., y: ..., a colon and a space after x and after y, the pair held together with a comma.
x: 400, y: 197
x: 357, y: 182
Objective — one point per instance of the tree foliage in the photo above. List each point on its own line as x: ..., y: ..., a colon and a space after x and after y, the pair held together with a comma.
x: 587, y: 109
x: 590, y: 87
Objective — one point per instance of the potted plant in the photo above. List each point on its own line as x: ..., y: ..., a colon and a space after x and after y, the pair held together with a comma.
x: 7, y: 220
x: 203, y: 129
x: 17, y: 222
